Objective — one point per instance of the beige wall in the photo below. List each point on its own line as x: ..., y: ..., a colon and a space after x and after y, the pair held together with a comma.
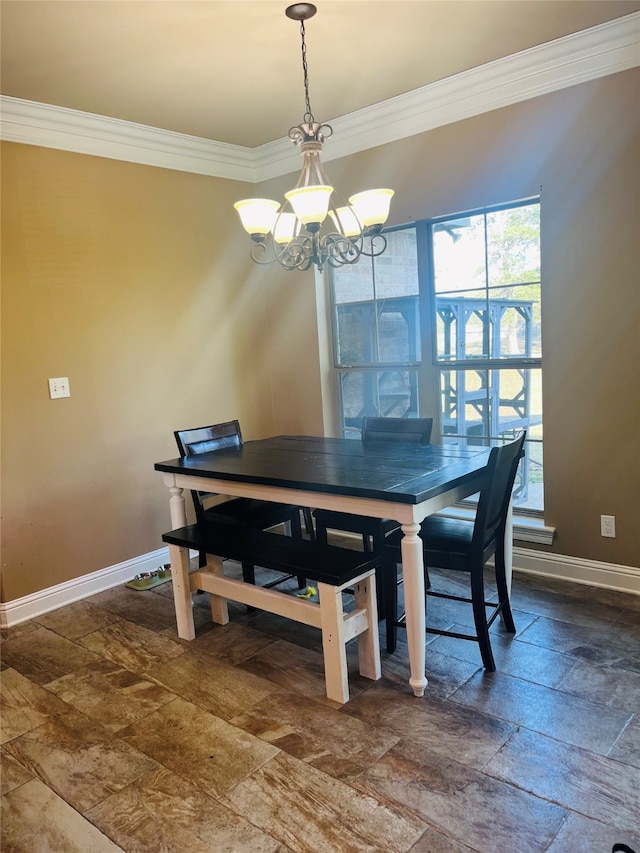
x: 135, y: 283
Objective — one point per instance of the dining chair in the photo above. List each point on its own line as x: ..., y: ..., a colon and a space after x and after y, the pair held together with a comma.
x: 466, y: 546
x: 250, y: 512
x: 374, y: 530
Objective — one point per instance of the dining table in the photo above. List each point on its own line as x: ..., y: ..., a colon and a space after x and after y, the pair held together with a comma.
x: 401, y: 481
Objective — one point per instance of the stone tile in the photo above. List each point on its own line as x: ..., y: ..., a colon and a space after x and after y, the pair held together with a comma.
x: 599, y: 645
x: 162, y: 811
x: 550, y: 712
x: 613, y: 597
x: 279, y: 628
x: 202, y: 623
x: 77, y: 759
x: 591, y: 784
x: 461, y: 802
x: 436, y: 842
x: 627, y: 626
x: 576, y: 605
x: 340, y: 745
x: 233, y: 643
x: 533, y: 663
x: 43, y: 655
x: 77, y: 619
x: 199, y: 746
x: 109, y: 694
x: 18, y: 630
x: 222, y: 689
x: 12, y: 774
x: 131, y: 646
x: 607, y: 685
x: 299, y: 669
x: 143, y: 607
x: 581, y: 834
x: 442, y: 727
x: 310, y: 812
x: 24, y: 705
x: 445, y: 672
x: 627, y: 747
x: 63, y: 831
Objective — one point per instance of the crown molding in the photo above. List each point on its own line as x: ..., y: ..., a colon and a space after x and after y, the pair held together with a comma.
x: 49, y: 126
x: 577, y: 58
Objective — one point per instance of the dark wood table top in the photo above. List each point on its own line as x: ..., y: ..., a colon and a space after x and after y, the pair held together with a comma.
x: 393, y: 471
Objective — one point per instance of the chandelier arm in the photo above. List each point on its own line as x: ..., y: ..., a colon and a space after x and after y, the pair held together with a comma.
x: 378, y: 245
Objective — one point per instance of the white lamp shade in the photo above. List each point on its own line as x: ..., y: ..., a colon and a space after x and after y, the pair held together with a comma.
x: 346, y: 221
x: 372, y: 206
x: 286, y: 227
x: 257, y: 214
x: 310, y: 203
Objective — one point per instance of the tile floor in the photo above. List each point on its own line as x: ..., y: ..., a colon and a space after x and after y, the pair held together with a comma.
x: 116, y: 735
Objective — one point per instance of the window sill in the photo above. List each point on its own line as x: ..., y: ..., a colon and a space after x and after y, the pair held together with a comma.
x: 525, y: 528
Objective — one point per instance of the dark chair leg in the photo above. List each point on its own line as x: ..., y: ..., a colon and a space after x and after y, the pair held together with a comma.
x: 480, y: 619
x: 308, y: 523
x: 503, y: 593
x: 296, y: 527
x: 321, y: 535
x: 249, y: 576
x: 390, y: 586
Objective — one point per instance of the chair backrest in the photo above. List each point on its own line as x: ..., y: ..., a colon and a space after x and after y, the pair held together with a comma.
x: 495, y: 494
x: 417, y: 430
x: 205, y: 439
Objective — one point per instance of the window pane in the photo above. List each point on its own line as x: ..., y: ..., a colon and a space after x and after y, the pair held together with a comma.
x: 356, y: 334
x: 459, y: 255
x: 513, y: 245
x: 353, y: 282
x: 396, y: 271
x: 491, y: 404
x: 398, y: 331
x: 387, y: 393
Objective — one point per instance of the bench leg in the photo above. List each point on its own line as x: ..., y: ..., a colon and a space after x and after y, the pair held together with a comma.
x: 179, y: 558
x: 369, y: 640
x: 333, y: 643
x: 219, y: 605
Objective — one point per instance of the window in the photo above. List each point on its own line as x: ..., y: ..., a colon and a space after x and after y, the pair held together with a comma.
x: 446, y: 324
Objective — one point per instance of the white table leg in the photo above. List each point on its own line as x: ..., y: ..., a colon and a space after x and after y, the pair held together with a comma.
x: 177, y: 506
x: 414, y: 606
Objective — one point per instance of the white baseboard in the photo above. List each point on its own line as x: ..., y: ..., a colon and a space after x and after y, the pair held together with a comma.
x: 45, y: 600
x: 577, y: 570
x: 574, y: 569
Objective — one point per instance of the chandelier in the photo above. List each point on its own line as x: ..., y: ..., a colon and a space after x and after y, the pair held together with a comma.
x: 314, y: 225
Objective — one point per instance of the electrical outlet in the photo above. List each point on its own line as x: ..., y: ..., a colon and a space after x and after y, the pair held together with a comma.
x: 59, y: 388
x: 608, y: 526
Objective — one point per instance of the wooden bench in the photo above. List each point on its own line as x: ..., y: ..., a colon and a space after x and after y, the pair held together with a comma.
x: 333, y: 569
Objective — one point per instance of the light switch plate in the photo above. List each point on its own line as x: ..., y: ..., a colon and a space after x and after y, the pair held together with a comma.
x: 59, y: 388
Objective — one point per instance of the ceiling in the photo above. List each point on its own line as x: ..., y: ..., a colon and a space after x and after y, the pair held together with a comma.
x: 231, y: 70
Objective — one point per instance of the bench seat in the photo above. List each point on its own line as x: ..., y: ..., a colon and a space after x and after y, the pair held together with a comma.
x: 333, y: 569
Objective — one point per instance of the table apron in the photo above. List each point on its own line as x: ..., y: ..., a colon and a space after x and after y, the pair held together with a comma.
x: 402, y: 512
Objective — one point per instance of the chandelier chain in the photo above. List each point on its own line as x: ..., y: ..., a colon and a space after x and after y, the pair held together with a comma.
x: 308, y: 116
